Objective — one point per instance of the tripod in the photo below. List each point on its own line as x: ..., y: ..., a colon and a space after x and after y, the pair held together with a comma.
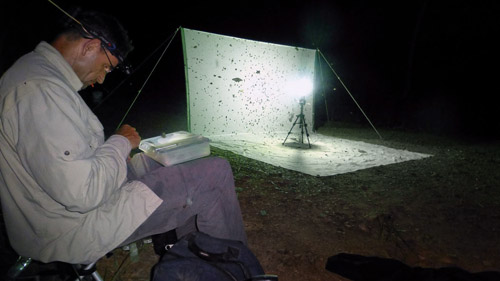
x: 301, y: 120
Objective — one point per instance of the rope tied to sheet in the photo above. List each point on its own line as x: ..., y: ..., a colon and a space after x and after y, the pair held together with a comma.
x: 149, y: 76
x: 349, y: 92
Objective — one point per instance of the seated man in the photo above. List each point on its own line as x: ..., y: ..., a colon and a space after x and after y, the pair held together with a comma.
x: 65, y: 192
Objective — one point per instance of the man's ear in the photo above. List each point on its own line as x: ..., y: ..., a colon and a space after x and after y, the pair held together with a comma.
x: 91, y: 47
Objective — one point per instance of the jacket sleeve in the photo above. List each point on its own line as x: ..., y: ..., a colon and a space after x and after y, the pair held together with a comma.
x: 58, y: 147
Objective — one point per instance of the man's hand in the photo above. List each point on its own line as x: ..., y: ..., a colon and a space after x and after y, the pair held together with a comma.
x: 131, y: 134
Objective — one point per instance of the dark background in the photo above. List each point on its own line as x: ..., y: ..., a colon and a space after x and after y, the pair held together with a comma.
x: 425, y: 65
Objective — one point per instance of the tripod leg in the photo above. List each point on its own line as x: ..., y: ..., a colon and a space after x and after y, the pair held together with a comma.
x: 307, y: 134
x: 304, y: 124
x: 289, y: 132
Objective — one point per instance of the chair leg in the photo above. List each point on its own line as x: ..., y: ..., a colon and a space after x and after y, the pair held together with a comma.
x: 89, y: 270
x: 23, y: 262
x: 20, y: 265
x: 96, y: 276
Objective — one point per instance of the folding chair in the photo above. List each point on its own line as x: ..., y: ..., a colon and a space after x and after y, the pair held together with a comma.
x: 82, y: 272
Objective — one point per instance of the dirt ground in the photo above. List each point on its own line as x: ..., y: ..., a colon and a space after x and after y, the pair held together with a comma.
x: 435, y: 212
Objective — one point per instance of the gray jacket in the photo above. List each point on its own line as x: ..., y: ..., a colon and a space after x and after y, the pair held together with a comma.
x: 64, y: 190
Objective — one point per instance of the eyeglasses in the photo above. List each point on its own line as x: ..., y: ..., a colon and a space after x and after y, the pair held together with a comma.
x: 110, y: 67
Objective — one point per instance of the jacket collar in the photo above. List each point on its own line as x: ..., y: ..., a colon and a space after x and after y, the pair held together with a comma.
x: 54, y: 57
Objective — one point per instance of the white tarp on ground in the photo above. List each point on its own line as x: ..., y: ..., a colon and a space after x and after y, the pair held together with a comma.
x: 328, y: 155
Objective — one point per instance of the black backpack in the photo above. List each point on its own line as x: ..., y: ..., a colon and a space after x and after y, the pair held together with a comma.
x: 201, y: 257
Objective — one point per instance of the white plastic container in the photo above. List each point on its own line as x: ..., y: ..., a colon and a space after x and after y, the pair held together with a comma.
x: 175, y: 148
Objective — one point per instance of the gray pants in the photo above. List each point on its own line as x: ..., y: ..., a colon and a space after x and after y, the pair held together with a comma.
x: 197, y: 195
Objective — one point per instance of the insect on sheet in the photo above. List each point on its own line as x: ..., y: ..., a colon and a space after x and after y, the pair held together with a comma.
x: 236, y: 85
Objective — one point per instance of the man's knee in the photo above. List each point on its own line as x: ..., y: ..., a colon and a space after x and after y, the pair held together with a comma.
x: 214, y: 163
x: 220, y: 172
x: 221, y: 163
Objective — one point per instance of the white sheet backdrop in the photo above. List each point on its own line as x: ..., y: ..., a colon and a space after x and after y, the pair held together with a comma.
x: 236, y: 85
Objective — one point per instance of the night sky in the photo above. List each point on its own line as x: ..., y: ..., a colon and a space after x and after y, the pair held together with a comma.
x: 428, y: 65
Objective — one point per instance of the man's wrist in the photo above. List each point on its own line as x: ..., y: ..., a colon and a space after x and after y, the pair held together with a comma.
x: 122, y: 143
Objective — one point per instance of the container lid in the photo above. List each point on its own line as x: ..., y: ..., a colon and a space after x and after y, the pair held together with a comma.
x: 170, y: 141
